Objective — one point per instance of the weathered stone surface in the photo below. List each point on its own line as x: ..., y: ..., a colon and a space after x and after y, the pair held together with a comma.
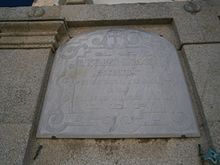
x: 214, y: 127
x: 56, y: 2
x: 204, y: 62
x: 164, y: 30
x: 117, y: 83
x: 119, y: 152
x: 22, y: 13
x: 42, y: 34
x: 46, y: 2
x: 92, y: 13
x: 188, y: 25
x: 13, y: 143
x: 73, y: 2
x: 130, y: 1
x: 192, y: 28
x: 21, y: 75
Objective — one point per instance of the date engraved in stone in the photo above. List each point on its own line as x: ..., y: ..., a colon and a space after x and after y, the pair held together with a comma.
x: 117, y: 83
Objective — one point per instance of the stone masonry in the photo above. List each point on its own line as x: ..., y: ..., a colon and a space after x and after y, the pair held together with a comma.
x: 29, y: 38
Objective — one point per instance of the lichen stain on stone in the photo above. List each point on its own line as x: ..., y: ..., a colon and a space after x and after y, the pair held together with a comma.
x: 109, y: 149
x: 108, y: 140
x: 151, y: 140
x: 144, y: 140
x: 75, y: 145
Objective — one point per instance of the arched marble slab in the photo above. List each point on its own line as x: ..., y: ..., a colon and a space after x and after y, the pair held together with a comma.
x: 117, y: 83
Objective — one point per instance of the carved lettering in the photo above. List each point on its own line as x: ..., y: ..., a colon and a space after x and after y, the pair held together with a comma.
x: 117, y: 83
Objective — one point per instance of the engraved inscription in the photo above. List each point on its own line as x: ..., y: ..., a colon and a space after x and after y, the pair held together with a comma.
x: 117, y: 83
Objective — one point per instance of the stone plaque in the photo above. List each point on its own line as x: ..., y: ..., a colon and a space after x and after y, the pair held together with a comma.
x: 117, y: 83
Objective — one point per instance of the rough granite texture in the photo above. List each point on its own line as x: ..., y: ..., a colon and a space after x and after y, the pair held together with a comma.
x: 56, y: 2
x: 46, y: 2
x: 119, y: 152
x: 204, y: 62
x: 214, y: 127
x: 130, y: 1
x: 186, y: 24
x: 13, y: 143
x: 21, y: 75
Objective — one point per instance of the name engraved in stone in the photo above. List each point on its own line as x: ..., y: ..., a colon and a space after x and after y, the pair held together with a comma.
x: 117, y: 83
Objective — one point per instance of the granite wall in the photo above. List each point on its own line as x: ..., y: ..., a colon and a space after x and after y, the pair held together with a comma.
x: 29, y: 39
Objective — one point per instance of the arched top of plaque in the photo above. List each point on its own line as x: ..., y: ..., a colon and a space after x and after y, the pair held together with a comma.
x: 117, y: 83
x: 111, y: 40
